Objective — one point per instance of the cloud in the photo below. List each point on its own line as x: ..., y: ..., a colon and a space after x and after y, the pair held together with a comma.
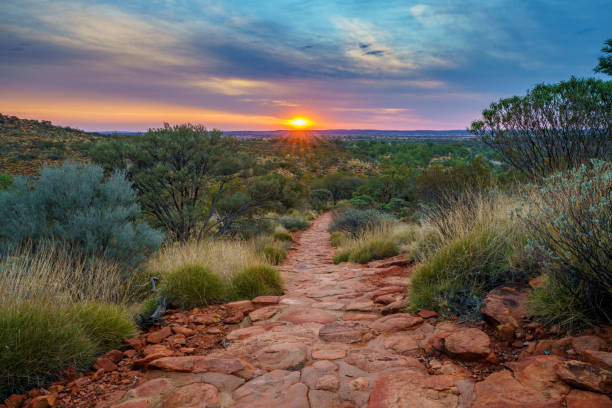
x: 238, y: 86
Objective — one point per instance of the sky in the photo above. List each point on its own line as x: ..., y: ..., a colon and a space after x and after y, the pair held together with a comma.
x: 253, y: 64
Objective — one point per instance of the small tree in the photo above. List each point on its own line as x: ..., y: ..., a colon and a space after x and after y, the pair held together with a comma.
x: 605, y: 62
x: 552, y: 128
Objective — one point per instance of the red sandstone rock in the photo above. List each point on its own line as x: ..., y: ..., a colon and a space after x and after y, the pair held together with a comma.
x: 185, y: 331
x: 245, y: 332
x: 266, y: 300
x: 586, y: 376
x: 156, y: 386
x: 114, y: 355
x: 395, y: 307
x: 399, y: 260
x: 506, y: 305
x: 359, y: 316
x: 43, y: 401
x: 159, y: 335
x: 14, y: 401
x: 328, y: 383
x: 586, y: 399
x: 104, y: 363
x: 540, y: 373
x: 328, y: 351
x: 427, y: 314
x: 502, y: 390
x: 196, y: 395
x: 374, y: 361
x: 364, y: 306
x: 308, y: 316
x: 386, y: 299
x: 468, y: 344
x: 264, y: 313
x: 343, y: 332
x: 199, y: 364
x: 602, y: 359
x: 245, y: 306
x: 398, y: 321
x: 281, y: 356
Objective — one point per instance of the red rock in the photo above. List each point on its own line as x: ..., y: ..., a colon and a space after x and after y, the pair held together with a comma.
x: 15, y: 401
x: 427, y: 314
x: 198, y: 364
x: 208, y: 318
x: 586, y: 399
x: 587, y: 376
x: 396, y: 307
x: 506, y: 305
x: 136, y: 343
x: 394, y: 270
x: 245, y: 306
x: 602, y: 359
x: 387, y: 290
x: 538, y: 281
x: 43, y: 401
x: 233, y: 318
x: 159, y: 335
x: 281, y: 356
x: 264, y: 313
x: 245, y: 332
x: 540, y: 373
x: 294, y: 396
x: 114, y: 355
x: 343, y: 332
x: 104, y: 363
x: 385, y: 299
x: 308, y: 316
x: 328, y: 383
x: 398, y: 321
x: 375, y: 361
x: 156, y: 386
x: 401, y: 344
x: 468, y: 344
x: 130, y: 353
x: 365, y: 306
x: 502, y: 390
x: 359, y: 316
x: 133, y: 404
x: 399, y: 260
x: 196, y: 395
x: 415, y: 388
x: 185, y: 331
x: 266, y: 300
x: 328, y: 351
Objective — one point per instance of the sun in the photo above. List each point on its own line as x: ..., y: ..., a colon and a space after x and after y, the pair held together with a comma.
x: 299, y: 122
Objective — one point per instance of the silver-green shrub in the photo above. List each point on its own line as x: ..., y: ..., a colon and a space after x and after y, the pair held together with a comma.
x: 75, y: 205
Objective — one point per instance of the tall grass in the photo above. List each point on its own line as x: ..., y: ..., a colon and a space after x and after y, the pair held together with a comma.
x: 376, y: 242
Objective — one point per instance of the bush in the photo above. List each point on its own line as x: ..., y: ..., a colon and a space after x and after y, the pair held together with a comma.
x: 294, y: 223
x: 5, y: 181
x: 569, y: 218
x: 193, y: 286
x: 428, y: 242
x: 37, y: 342
x: 275, y: 255
x: 337, y: 238
x: 456, y: 279
x: 320, y: 199
x: 74, y: 204
x: 377, y: 249
x: 283, y: 236
x: 105, y: 324
x: 259, y: 280
x: 342, y: 256
x: 353, y: 220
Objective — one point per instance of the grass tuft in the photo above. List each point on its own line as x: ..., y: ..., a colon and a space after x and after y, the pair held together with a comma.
x: 259, y: 280
x: 376, y: 249
x: 192, y: 286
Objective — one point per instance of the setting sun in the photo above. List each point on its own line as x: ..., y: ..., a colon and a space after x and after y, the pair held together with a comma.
x: 299, y: 122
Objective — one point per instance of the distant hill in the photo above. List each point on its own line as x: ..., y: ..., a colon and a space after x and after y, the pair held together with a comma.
x: 360, y: 134
x: 26, y: 144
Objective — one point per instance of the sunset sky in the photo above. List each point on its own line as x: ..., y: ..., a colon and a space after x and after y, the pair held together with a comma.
x: 252, y: 64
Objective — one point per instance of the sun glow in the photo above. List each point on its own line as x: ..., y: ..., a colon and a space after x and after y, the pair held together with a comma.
x: 299, y: 122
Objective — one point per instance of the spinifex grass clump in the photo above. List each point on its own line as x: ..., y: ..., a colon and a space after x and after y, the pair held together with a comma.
x: 377, y: 242
x: 192, y: 286
x: 275, y: 254
x: 353, y: 221
x: 569, y: 218
x: 294, y: 223
x: 258, y: 280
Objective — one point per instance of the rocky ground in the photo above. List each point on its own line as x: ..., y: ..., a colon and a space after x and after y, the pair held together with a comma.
x: 339, y: 338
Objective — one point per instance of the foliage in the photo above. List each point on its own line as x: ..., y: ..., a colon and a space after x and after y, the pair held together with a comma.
x: 454, y: 281
x: 320, y: 198
x: 605, y: 61
x: 342, y: 256
x: 75, y: 205
x: 337, y: 238
x: 193, y: 286
x: 5, y: 181
x: 258, y: 280
x: 376, y: 249
x: 275, y: 255
x: 294, y: 223
x: 39, y: 340
x: 569, y: 218
x: 552, y: 128
x: 341, y: 186
x: 353, y: 221
x: 281, y: 234
x: 105, y: 324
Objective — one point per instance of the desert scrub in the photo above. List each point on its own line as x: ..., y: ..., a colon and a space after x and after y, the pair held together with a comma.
x: 569, y: 220
x: 455, y: 280
x: 353, y: 221
x: 38, y: 340
x: 376, y: 242
x: 258, y: 280
x: 275, y: 254
x: 371, y: 250
x: 281, y: 234
x: 193, y: 286
x: 342, y: 256
x: 294, y: 223
x: 337, y: 238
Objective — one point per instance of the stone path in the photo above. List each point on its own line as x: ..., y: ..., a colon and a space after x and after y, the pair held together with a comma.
x: 338, y: 338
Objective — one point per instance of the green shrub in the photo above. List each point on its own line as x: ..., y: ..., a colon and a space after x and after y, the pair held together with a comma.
x: 275, y: 255
x: 354, y: 221
x: 74, y: 204
x: 193, y: 286
x: 148, y: 306
x: 553, y: 305
x: 454, y: 281
x: 377, y: 249
x: 342, y: 256
x: 294, y: 223
x: 38, y: 341
x: 5, y: 181
x: 426, y: 245
x: 283, y: 236
x: 259, y: 280
x: 404, y: 236
x: 569, y: 219
x: 337, y: 238
x: 106, y: 324
x: 320, y: 199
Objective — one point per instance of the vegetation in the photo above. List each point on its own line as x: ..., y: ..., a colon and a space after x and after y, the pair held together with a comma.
x: 373, y: 242
x: 552, y: 128
x: 353, y: 221
x: 192, y: 286
x: 274, y: 254
x: 257, y: 280
x: 605, y: 61
x: 293, y: 223
x: 74, y: 205
x: 569, y: 218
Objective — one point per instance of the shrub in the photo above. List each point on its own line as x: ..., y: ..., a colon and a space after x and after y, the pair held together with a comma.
x: 294, y: 223
x: 39, y: 340
x: 5, y: 181
x: 362, y: 202
x: 105, y: 324
x: 193, y: 286
x: 554, y: 127
x: 74, y: 204
x: 275, y: 255
x: 353, y: 220
x: 552, y: 304
x: 148, y: 306
x: 569, y: 218
x: 320, y: 198
x: 337, y: 238
x: 428, y: 241
x: 454, y: 281
x: 377, y: 249
x: 259, y: 280
x: 342, y: 256
x: 283, y: 236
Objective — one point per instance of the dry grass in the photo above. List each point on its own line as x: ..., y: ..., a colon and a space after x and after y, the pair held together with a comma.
x: 223, y: 257
x: 378, y: 241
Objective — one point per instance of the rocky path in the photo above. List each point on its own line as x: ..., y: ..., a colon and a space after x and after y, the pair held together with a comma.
x: 338, y: 338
